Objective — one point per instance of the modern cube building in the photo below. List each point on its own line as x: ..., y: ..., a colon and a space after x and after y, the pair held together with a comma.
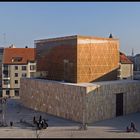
x: 73, y: 66
x: 78, y: 58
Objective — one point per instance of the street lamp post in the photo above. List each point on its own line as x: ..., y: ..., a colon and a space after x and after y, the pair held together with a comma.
x: 4, y: 100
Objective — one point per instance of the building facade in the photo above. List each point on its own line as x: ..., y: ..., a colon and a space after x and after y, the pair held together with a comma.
x: 78, y: 58
x: 78, y: 85
x: 1, y: 59
x: 17, y: 63
x: 136, y: 61
x: 126, y: 67
x: 82, y: 102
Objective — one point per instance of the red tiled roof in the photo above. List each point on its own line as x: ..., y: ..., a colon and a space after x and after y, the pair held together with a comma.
x: 25, y: 55
x: 124, y: 59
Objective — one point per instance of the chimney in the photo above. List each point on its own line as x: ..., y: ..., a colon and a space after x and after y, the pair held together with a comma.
x: 12, y: 46
x: 110, y: 36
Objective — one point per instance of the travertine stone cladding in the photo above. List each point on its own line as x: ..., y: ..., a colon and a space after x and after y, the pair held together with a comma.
x: 55, y: 98
x: 84, y: 102
x: 101, y: 102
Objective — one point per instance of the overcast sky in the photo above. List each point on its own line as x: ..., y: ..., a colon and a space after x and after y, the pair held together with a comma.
x: 23, y: 22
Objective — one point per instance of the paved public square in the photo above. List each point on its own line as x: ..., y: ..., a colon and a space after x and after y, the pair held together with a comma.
x: 62, y: 128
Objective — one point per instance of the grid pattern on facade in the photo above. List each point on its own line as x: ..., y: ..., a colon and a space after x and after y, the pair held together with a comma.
x: 96, y: 60
x: 58, y: 59
x: 78, y: 59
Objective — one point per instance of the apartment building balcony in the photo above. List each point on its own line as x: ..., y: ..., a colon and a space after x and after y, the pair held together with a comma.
x: 5, y: 77
x: 6, y: 86
x: 6, y: 83
x: 32, y: 71
x: 5, y: 74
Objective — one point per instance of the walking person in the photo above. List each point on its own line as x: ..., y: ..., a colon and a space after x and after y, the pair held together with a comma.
x: 11, y: 123
x: 40, y: 118
x: 128, y: 129
x: 34, y: 120
x: 133, y: 127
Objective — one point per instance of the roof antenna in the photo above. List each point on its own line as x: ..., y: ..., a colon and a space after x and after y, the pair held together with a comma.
x: 4, y: 39
x: 110, y: 36
x: 132, y: 52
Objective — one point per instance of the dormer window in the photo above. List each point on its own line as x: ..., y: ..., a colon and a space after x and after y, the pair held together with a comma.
x: 16, y: 59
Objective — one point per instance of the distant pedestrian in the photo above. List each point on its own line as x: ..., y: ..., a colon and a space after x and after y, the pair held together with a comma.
x: 40, y: 118
x: 11, y: 123
x: 133, y: 127
x: 128, y: 129
x: 34, y: 120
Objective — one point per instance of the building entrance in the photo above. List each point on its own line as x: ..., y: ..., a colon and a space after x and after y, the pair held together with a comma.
x: 119, y: 104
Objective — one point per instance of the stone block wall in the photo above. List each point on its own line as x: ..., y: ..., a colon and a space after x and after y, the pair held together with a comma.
x: 89, y: 102
x: 101, y: 101
x: 55, y: 98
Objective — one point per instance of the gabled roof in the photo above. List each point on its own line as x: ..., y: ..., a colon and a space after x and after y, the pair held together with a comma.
x: 124, y: 59
x: 18, y: 55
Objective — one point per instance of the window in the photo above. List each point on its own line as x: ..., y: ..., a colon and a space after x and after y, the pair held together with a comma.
x: 16, y: 74
x: 5, y: 70
x: 32, y: 67
x: 16, y: 92
x: 5, y: 67
x: 23, y: 67
x: 16, y: 81
x: 16, y: 67
x: 124, y: 78
x: 16, y: 59
x: 7, y: 92
x: 32, y: 74
x: 0, y: 93
x: 6, y: 82
x: 24, y: 74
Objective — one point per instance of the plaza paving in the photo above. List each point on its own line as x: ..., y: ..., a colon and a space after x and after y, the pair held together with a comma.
x: 62, y: 128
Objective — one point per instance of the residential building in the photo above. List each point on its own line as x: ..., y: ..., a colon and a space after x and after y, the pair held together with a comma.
x: 126, y: 67
x: 78, y: 58
x: 1, y: 57
x: 17, y: 63
x: 136, y: 61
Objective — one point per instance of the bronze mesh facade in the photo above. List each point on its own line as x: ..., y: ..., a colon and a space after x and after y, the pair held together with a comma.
x: 58, y: 57
x: 78, y: 59
x: 97, y: 59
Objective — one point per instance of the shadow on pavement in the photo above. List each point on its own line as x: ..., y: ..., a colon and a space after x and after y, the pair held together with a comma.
x: 119, y: 124
x: 22, y: 117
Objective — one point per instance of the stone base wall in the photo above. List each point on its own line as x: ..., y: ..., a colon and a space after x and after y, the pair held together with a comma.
x: 82, y: 103
x: 58, y: 99
x: 101, y: 101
